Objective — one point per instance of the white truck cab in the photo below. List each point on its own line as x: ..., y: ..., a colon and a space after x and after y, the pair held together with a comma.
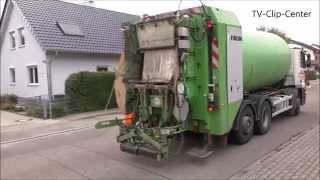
x: 296, y: 74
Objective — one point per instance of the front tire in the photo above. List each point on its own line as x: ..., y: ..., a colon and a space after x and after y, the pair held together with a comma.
x: 297, y: 108
x: 295, y: 111
x: 246, y: 123
x: 296, y: 102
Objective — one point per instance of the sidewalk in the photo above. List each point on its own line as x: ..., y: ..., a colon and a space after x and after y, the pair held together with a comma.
x: 90, y: 115
x: 11, y: 119
x: 15, y: 126
x: 298, y: 159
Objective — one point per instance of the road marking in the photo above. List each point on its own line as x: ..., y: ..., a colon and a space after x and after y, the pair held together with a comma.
x: 41, y: 136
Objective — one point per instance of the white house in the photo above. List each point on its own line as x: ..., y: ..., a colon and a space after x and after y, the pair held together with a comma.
x: 311, y: 50
x: 44, y: 41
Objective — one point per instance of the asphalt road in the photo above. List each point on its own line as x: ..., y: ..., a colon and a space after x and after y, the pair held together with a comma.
x: 94, y: 154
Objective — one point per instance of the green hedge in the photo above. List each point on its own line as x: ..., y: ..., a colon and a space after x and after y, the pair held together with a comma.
x: 89, y: 91
x: 311, y: 75
x: 8, y: 101
x: 58, y: 110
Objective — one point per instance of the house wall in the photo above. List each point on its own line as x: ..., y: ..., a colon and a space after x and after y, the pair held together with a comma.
x: 19, y: 58
x: 63, y: 65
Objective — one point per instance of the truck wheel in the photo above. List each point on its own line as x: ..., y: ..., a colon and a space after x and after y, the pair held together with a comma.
x: 246, y: 123
x: 263, y: 125
x: 296, y: 102
x: 296, y: 109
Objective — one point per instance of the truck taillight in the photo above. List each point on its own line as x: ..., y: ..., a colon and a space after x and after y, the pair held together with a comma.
x: 209, y: 24
x: 128, y: 119
x: 210, y: 107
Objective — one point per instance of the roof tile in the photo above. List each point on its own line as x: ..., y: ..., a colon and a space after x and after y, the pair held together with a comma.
x: 101, y: 27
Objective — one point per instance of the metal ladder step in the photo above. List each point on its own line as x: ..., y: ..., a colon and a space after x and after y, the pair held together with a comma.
x: 201, y: 153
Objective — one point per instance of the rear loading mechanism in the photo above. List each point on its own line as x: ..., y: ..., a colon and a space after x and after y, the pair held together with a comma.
x: 194, y: 70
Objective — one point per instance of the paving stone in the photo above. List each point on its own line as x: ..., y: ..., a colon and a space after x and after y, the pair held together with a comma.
x: 298, y: 158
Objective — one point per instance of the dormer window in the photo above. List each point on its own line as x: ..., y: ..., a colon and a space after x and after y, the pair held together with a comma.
x: 12, y: 40
x: 70, y: 29
x: 22, y: 40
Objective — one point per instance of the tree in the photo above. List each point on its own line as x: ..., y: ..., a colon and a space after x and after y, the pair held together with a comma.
x: 261, y: 28
x: 275, y: 31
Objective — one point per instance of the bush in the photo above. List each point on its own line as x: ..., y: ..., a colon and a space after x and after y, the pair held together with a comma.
x: 58, y: 110
x: 35, y: 111
x: 311, y: 75
x: 8, y: 101
x: 89, y: 91
x: 12, y: 98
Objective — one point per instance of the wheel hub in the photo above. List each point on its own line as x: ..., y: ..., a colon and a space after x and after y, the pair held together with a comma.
x: 246, y: 124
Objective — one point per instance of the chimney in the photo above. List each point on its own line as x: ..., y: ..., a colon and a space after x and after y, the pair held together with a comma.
x: 88, y: 3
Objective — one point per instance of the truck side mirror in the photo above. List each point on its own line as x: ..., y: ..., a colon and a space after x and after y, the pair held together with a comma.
x: 302, y: 59
x: 308, y: 60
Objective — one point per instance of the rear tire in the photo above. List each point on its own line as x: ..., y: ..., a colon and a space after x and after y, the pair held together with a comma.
x: 263, y: 125
x: 246, y: 124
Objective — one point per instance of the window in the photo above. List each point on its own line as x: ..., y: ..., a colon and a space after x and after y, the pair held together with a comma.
x: 21, y: 36
x: 12, y: 75
x: 33, y: 75
x: 102, y: 68
x: 12, y: 40
x: 70, y: 29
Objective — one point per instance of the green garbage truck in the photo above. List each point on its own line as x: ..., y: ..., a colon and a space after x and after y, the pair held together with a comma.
x: 194, y: 70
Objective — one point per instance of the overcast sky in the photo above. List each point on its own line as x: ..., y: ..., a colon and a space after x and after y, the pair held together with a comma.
x: 304, y: 29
